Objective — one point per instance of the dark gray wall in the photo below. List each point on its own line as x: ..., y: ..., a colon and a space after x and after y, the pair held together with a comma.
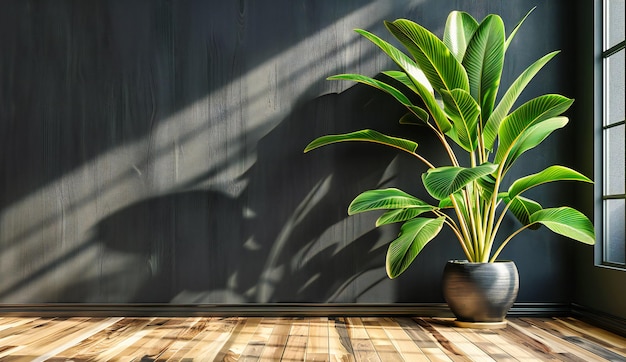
x: 151, y: 151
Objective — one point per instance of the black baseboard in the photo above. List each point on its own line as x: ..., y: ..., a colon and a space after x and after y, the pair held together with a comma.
x: 260, y: 310
x: 603, y: 320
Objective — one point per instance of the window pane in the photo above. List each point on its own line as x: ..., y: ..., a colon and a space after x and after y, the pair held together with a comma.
x: 615, y: 23
x: 615, y: 87
x: 614, y: 239
x: 614, y: 160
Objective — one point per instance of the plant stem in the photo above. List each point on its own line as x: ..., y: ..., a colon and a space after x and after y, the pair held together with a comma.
x: 446, y: 145
x: 430, y: 165
x: 452, y: 226
x: 467, y: 240
x: 494, y: 202
x: 497, y: 225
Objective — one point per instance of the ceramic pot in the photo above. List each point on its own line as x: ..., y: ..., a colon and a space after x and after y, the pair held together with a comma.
x: 480, y: 292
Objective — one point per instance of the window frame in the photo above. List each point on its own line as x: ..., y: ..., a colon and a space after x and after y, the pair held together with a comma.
x: 600, y: 149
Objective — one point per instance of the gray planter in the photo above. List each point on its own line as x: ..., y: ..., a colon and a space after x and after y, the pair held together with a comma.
x: 480, y: 292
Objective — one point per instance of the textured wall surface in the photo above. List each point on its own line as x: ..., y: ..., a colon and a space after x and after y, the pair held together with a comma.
x: 151, y: 151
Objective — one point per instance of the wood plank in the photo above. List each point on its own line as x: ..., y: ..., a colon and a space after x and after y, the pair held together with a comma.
x: 451, y: 350
x: 71, y: 338
x: 317, y: 344
x: 277, y: 342
x: 403, y: 343
x: 128, y: 335
x: 90, y: 346
x: 565, y: 350
x: 145, y: 345
x: 463, y: 344
x: 611, y: 341
x: 362, y: 346
x: 484, y: 340
x: 163, y: 336
x: 31, y: 327
x: 382, y: 344
x: 259, y: 339
x: 196, y: 335
x: 339, y: 345
x: 295, y: 350
x: 424, y: 340
x: 181, y: 336
x: 218, y: 332
x: 38, y: 339
x: 241, y: 336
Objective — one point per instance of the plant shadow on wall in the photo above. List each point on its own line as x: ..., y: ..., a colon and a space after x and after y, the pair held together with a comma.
x: 285, y: 238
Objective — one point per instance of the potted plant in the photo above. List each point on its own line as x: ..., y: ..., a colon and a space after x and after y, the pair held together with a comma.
x: 450, y: 86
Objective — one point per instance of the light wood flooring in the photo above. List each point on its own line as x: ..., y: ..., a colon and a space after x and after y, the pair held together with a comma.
x: 300, y: 339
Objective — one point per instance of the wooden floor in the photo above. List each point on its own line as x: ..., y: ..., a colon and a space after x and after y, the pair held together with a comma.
x: 299, y: 339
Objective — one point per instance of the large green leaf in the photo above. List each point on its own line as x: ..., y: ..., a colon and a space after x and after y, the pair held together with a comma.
x: 460, y: 26
x: 483, y: 62
x: 398, y: 95
x: 510, y: 96
x: 421, y: 85
x: 522, y: 208
x: 567, y: 222
x: 439, y: 65
x: 443, y: 181
x: 512, y: 35
x: 532, y: 137
x: 526, y: 116
x: 366, y: 135
x: 463, y: 110
x: 399, y: 215
x: 414, y: 235
x: 550, y: 174
x: 386, y: 199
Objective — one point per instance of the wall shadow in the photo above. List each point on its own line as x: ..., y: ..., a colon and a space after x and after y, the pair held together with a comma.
x: 287, y: 236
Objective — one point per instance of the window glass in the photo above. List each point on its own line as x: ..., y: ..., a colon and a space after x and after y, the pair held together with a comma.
x: 615, y: 28
x: 614, y: 160
x: 614, y: 231
x: 615, y: 87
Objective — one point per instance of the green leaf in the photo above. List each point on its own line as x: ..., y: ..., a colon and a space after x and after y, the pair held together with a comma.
x: 510, y: 96
x: 399, y: 215
x: 567, y: 222
x: 366, y: 135
x: 550, y: 174
x: 526, y: 116
x: 412, y: 119
x: 522, y: 208
x: 446, y: 202
x: 487, y: 184
x: 512, y: 35
x: 483, y: 62
x: 464, y: 111
x: 443, y: 181
x: 399, y: 96
x: 403, y: 78
x: 414, y: 235
x: 460, y: 26
x: 386, y: 199
x: 439, y: 65
x: 421, y: 84
x: 533, y: 137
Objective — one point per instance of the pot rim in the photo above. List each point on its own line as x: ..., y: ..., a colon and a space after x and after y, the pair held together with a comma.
x: 463, y: 261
